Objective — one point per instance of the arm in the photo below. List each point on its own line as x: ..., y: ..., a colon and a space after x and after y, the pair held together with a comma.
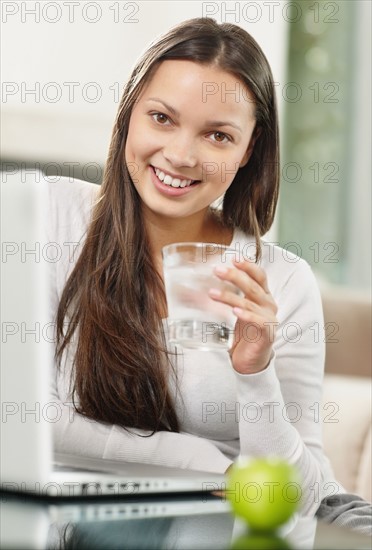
x: 280, y: 400
x: 68, y: 216
x: 75, y: 434
x: 289, y: 391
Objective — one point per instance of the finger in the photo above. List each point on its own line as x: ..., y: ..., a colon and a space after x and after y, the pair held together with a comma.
x: 233, y: 300
x: 255, y: 272
x: 251, y: 289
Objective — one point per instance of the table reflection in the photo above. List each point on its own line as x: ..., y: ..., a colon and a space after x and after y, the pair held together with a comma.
x: 218, y: 530
x: 153, y: 524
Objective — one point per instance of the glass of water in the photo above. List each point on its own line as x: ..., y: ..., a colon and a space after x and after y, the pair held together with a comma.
x: 194, y: 319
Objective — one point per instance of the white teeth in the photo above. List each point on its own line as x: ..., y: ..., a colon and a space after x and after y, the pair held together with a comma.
x: 173, y: 182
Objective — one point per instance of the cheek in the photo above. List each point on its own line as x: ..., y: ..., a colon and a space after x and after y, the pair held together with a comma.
x: 133, y: 142
x: 140, y: 145
x: 128, y: 145
x: 134, y: 151
x: 132, y: 155
x: 227, y: 170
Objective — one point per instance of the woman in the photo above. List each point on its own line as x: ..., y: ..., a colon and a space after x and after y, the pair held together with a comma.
x: 197, y: 121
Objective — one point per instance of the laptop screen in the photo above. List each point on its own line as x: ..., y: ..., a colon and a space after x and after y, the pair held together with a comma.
x: 26, y: 342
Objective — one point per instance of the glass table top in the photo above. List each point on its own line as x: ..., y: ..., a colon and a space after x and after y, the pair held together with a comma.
x: 192, y: 522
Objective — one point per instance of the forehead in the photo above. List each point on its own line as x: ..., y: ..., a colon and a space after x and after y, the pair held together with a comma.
x: 186, y: 85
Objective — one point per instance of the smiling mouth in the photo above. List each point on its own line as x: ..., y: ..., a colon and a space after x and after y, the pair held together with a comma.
x: 167, y: 179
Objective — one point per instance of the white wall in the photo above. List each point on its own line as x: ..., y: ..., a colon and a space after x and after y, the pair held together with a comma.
x: 45, y: 56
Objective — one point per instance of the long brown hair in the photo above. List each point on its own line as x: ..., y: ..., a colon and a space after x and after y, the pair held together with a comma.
x: 111, y: 300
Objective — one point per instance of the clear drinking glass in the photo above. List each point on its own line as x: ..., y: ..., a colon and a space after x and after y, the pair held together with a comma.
x: 194, y: 319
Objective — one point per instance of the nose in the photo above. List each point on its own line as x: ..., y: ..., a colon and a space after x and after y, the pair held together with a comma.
x: 179, y: 151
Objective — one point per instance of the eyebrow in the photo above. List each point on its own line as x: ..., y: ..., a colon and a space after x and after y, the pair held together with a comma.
x: 212, y: 123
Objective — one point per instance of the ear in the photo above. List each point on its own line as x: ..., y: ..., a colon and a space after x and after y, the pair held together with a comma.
x: 247, y: 154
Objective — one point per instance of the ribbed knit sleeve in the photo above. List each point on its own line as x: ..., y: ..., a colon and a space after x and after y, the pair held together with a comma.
x: 280, y: 406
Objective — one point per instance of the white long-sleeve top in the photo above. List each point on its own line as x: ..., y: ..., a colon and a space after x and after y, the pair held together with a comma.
x: 222, y: 414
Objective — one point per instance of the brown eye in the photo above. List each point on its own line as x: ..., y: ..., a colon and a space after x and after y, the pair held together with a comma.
x: 160, y: 118
x: 220, y: 137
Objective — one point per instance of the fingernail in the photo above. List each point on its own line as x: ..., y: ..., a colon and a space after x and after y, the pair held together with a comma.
x: 214, y: 292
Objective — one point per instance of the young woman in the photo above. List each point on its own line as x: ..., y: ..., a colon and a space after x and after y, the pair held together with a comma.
x: 197, y: 122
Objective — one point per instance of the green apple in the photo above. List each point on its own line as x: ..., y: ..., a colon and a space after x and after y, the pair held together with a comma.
x: 264, y: 491
x: 260, y: 542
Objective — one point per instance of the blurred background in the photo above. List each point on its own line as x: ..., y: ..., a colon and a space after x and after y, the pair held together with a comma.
x: 64, y: 65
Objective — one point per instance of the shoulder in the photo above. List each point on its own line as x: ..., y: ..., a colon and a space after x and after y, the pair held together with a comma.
x: 71, y: 195
x: 70, y: 203
x: 282, y: 264
x: 283, y: 268
x: 69, y: 209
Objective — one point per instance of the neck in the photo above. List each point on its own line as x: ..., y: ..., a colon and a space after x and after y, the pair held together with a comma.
x: 201, y: 227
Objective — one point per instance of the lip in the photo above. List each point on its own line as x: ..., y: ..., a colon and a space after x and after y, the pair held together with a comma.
x: 168, y: 189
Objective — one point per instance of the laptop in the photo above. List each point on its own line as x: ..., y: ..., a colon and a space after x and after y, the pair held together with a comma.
x: 28, y: 464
